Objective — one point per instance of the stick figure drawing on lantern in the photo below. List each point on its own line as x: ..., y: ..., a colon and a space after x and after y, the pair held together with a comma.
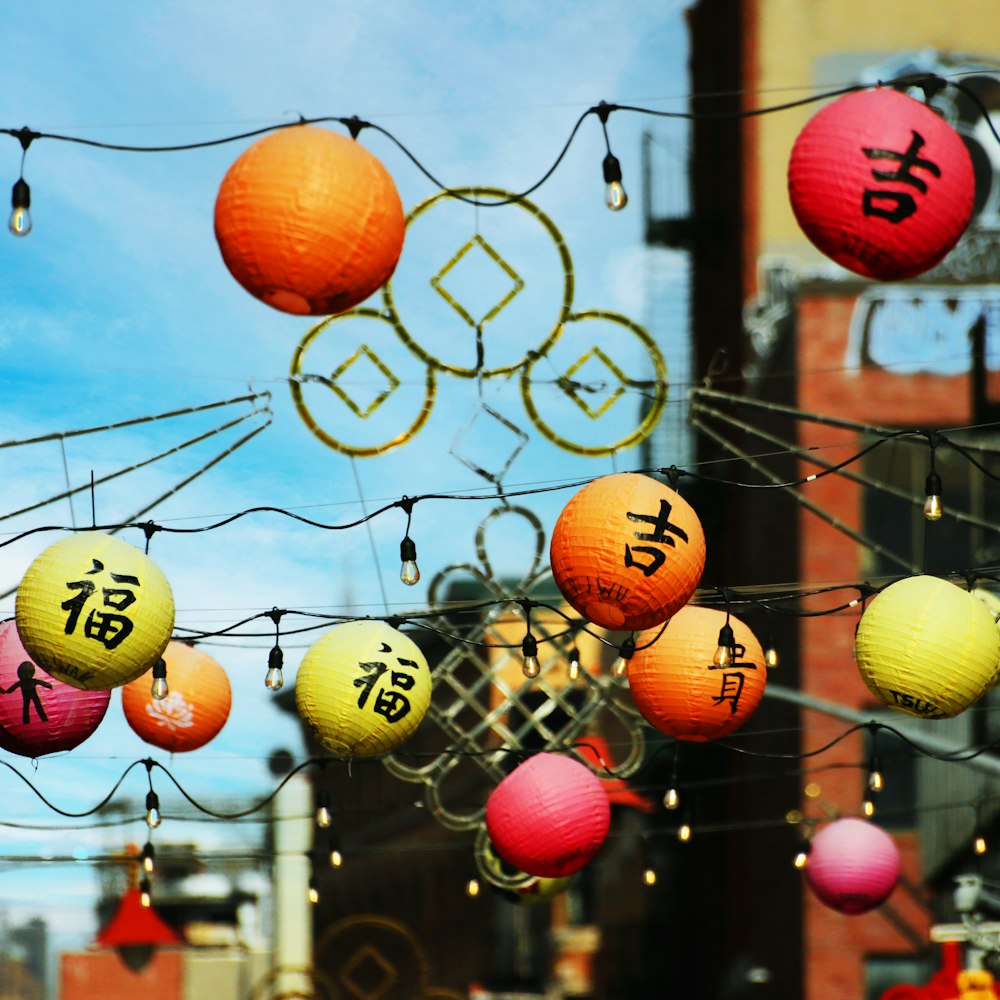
x: 29, y: 691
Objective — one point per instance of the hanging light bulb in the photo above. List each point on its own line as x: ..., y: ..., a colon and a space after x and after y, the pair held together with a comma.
x: 20, y: 202
x: 979, y: 844
x: 875, y: 780
x: 145, y: 893
x: 409, y: 573
x: 614, y: 192
x: 323, y: 817
x: 619, y: 669
x: 313, y: 890
x: 933, y: 508
x: 148, y: 858
x: 671, y: 799
x: 472, y: 887
x: 868, y: 808
x: 274, y: 679
x: 649, y: 876
x: 770, y: 653
x: 574, y: 664
x: 153, y: 817
x: 336, y: 858
x: 684, y: 832
x: 159, y: 689
x: 529, y: 649
x: 725, y: 652
x: 802, y: 855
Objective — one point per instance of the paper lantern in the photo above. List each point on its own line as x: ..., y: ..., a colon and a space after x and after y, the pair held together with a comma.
x: 40, y: 714
x: 94, y: 611
x: 309, y: 221
x: 196, y: 706
x: 363, y: 688
x: 679, y: 690
x: 926, y: 647
x: 853, y: 865
x: 627, y: 551
x: 881, y: 184
x: 549, y: 816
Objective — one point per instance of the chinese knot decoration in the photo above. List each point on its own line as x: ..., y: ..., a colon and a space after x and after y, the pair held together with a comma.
x: 627, y: 551
x: 309, y: 221
x: 680, y: 691
x: 881, y: 184
x: 363, y: 688
x: 94, y: 611
x: 927, y: 647
x: 549, y: 816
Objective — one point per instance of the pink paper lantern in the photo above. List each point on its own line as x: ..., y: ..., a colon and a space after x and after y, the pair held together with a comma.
x: 38, y: 713
x: 881, y: 184
x: 853, y: 866
x: 549, y: 816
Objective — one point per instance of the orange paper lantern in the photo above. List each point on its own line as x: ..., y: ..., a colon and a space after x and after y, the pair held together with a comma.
x: 627, y: 551
x: 195, y: 709
x: 309, y: 221
x: 679, y: 690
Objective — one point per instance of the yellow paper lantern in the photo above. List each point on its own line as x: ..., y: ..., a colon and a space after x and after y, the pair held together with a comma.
x: 363, y: 688
x: 926, y: 647
x: 94, y: 611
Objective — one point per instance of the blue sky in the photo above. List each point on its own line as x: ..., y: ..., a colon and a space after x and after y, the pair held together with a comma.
x: 118, y: 305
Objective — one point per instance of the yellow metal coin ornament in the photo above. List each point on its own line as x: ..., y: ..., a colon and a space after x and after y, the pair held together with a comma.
x: 927, y: 647
x: 363, y: 689
x: 94, y: 611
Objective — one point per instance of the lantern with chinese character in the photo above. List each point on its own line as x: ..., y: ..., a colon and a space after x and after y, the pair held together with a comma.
x: 927, y: 647
x: 363, y: 688
x: 196, y: 706
x: 679, y: 689
x: 853, y: 866
x: 39, y: 714
x: 627, y: 551
x: 309, y: 221
x: 94, y: 611
x: 549, y: 816
x: 881, y: 184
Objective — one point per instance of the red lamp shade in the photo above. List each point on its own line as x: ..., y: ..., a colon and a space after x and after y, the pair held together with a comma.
x: 549, y: 816
x: 881, y: 184
x: 680, y: 691
x: 853, y: 866
x: 195, y: 708
x: 627, y: 551
x: 40, y: 714
x: 309, y: 221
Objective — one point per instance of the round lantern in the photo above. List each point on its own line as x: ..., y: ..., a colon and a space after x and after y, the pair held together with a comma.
x: 627, y: 551
x: 680, y: 691
x: 549, y: 816
x: 853, y: 866
x: 881, y: 184
x: 926, y: 647
x: 363, y: 688
x: 39, y: 714
x: 196, y: 706
x: 309, y: 221
x: 94, y: 611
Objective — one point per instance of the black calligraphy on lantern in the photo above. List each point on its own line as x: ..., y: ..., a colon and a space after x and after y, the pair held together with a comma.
x: 390, y: 702
x: 110, y: 628
x: 733, y: 679
x: 895, y: 206
x: 662, y: 532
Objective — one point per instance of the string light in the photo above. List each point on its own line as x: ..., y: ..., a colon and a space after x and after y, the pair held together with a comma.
x: 573, y: 671
x: 409, y: 573
x: 979, y: 838
x: 153, y: 818
x: 313, y: 890
x: 148, y: 858
x: 274, y: 679
x: 323, y: 817
x: 530, y: 667
x: 771, y: 658
x: 671, y: 799
x: 801, y: 858
x: 20, y: 196
x: 619, y: 669
x: 684, y: 832
x: 145, y: 893
x: 472, y: 887
x: 614, y: 191
x: 159, y: 689
x: 933, y: 508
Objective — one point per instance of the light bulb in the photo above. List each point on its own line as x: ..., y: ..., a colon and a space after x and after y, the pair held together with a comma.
x: 529, y: 648
x: 875, y: 781
x: 933, y: 508
x: 323, y: 817
x: 148, y: 858
x: 684, y: 832
x: 20, y: 201
x: 614, y: 193
x: 574, y: 664
x: 801, y: 857
x: 671, y: 800
x: 770, y: 655
x: 619, y: 669
x: 727, y: 645
x: 313, y: 891
x: 979, y: 845
x: 336, y: 858
x: 868, y: 808
x: 145, y: 895
x: 159, y: 689
x: 472, y: 887
x: 649, y: 877
x: 274, y: 678
x: 408, y: 573
x: 152, y: 810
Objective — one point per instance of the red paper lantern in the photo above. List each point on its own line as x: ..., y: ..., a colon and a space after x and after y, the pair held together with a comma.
x: 195, y: 708
x: 549, y: 816
x: 881, y: 184
x: 309, y: 221
x: 627, y: 551
x: 853, y: 866
x: 681, y: 692
x: 39, y: 713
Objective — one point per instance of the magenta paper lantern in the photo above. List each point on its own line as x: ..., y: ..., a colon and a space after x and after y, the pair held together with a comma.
x: 38, y: 713
x: 549, y: 816
x: 881, y: 184
x: 853, y: 866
